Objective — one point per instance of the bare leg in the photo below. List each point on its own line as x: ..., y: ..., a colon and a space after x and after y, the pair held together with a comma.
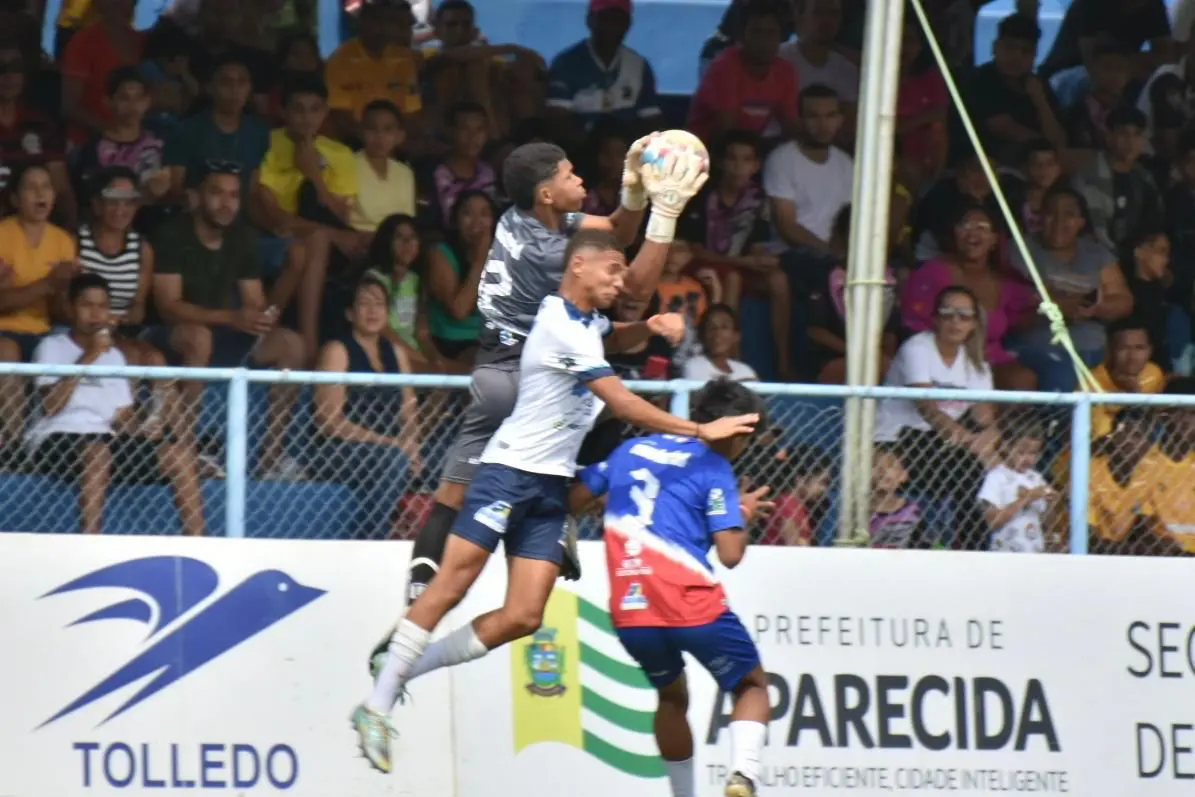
x: 179, y: 464
x: 97, y: 470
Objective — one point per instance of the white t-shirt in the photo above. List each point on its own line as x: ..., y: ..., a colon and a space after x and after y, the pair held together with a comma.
x: 95, y: 401
x: 555, y: 409
x: 818, y: 190
x: 702, y: 369
x: 918, y: 362
x: 1023, y: 533
x: 837, y: 73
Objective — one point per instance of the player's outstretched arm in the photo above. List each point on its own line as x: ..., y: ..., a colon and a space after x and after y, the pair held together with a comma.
x: 634, y: 410
x: 628, y: 218
x: 627, y: 335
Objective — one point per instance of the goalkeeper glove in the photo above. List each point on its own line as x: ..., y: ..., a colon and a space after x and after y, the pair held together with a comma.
x: 670, y: 185
x: 634, y: 197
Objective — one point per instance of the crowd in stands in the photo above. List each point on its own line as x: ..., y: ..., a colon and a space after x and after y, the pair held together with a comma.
x: 213, y: 192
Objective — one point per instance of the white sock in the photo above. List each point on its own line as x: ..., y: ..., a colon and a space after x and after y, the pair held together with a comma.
x: 746, y: 744
x: 681, y: 776
x: 406, y: 646
x: 461, y: 646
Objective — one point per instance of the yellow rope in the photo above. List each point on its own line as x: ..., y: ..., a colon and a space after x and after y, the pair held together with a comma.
x: 1060, y: 335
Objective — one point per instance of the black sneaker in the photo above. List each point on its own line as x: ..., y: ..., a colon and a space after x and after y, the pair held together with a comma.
x: 570, y: 565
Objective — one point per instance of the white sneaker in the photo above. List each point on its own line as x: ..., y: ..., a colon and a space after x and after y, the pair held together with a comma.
x: 288, y: 469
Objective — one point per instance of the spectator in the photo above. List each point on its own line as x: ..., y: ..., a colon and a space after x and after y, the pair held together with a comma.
x: 208, y: 291
x: 376, y: 66
x: 394, y: 258
x: 601, y: 78
x: 1126, y: 369
x: 37, y: 261
x: 462, y: 169
x: 124, y: 141
x: 1121, y: 195
x: 922, y: 106
x: 718, y: 332
x: 802, y: 484
x: 216, y: 39
x: 681, y: 293
x: 299, y: 59
x: 1180, y: 225
x: 1147, y: 273
x: 1041, y: 168
x: 167, y: 71
x: 896, y: 521
x: 1083, y: 279
x: 749, y: 87
x: 384, y: 186
x: 1129, y: 24
x: 27, y: 135
x: 222, y: 132
x: 809, y: 180
x: 1167, y: 109
x: 943, y: 443
x: 454, y: 272
x: 933, y: 220
x: 368, y: 435
x: 1011, y: 104
x: 1015, y: 497
x: 1087, y: 121
x: 92, y: 55
x: 610, y: 145
x: 1168, y: 465
x: 90, y: 431
x: 1008, y: 303
x: 814, y: 56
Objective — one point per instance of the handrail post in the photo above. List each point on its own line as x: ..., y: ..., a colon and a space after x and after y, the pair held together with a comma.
x: 236, y: 454
x: 1080, y: 472
x: 680, y: 401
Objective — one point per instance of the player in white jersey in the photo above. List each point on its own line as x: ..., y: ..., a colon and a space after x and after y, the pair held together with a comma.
x: 519, y: 494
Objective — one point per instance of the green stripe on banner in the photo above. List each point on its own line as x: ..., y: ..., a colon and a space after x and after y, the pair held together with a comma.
x: 595, y: 616
x: 642, y: 766
x: 626, y: 718
x: 625, y: 674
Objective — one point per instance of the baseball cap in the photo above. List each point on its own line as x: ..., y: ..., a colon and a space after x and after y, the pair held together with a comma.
x: 598, y: 6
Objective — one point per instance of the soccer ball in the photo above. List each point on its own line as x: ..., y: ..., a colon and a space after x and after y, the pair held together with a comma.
x: 671, y: 142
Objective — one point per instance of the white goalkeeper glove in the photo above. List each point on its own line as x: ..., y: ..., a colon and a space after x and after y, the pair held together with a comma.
x: 634, y: 197
x: 670, y: 185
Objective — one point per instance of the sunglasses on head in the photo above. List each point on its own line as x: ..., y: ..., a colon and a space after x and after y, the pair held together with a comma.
x: 222, y: 167
x: 964, y: 313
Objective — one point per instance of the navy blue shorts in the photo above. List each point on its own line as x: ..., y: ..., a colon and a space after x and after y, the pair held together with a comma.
x: 526, y: 511
x: 723, y: 647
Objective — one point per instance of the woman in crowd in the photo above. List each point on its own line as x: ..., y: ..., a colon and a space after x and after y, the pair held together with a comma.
x: 368, y: 436
x: 454, y: 270
x: 944, y: 444
x: 394, y: 258
x: 970, y: 261
x: 718, y: 332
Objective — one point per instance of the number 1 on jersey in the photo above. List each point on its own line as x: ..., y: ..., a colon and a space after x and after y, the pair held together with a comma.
x: 644, y: 494
x: 495, y: 283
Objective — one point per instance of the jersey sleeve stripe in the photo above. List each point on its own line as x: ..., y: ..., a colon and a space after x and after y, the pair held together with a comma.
x: 595, y: 373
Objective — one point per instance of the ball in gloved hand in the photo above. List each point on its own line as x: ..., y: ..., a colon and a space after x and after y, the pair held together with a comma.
x: 675, y: 142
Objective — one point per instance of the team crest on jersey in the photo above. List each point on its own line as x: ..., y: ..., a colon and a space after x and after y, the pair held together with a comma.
x: 634, y: 600
x: 717, y: 502
x: 545, y: 664
x: 495, y: 516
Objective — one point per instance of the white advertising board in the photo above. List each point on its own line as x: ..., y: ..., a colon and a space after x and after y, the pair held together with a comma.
x: 147, y: 665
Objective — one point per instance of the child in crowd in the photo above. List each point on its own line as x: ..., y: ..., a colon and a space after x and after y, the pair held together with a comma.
x: 1110, y: 72
x: 679, y: 293
x: 805, y: 477
x: 896, y: 521
x: 610, y: 143
x: 393, y: 259
x: 1146, y: 269
x: 718, y: 333
x: 462, y: 168
x: 1015, y: 496
x: 384, y: 186
x: 1041, y: 168
x: 167, y: 70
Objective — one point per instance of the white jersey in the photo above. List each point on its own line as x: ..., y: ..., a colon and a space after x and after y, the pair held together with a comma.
x: 555, y: 409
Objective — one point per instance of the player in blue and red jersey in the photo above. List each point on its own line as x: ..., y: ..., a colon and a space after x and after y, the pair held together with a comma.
x: 669, y: 500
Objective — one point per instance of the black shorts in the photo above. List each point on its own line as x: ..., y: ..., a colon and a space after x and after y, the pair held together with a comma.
x: 453, y: 349
x: 231, y: 348
x: 26, y: 342
x: 135, y: 460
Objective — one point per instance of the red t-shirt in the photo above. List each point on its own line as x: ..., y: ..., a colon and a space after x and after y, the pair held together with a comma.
x: 789, y: 509
x: 760, y: 104
x: 90, y: 57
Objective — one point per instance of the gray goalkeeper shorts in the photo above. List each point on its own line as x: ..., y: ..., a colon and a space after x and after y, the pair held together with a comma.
x: 492, y: 396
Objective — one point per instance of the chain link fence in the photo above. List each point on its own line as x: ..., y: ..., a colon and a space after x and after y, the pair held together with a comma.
x: 361, y: 461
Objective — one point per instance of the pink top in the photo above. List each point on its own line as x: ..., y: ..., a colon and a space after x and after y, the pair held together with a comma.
x: 932, y: 277
x: 760, y: 106
x: 921, y: 94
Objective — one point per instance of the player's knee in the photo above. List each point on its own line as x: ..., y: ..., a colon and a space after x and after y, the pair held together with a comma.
x: 756, y: 679
x: 524, y: 620
x: 675, y: 695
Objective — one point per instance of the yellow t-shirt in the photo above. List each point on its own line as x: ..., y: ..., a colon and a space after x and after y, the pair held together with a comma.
x: 378, y: 198
x: 31, y: 264
x: 1172, y: 494
x: 1112, y: 507
x: 1152, y: 380
x: 356, y: 79
x: 74, y: 14
x: 279, y: 174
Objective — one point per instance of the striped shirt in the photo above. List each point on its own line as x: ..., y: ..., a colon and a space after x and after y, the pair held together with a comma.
x: 122, y: 270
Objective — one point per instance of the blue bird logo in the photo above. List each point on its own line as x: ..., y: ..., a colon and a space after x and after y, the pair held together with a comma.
x: 171, y: 588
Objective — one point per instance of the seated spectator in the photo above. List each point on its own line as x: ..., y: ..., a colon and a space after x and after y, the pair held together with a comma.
x: 1180, y: 224
x: 217, y: 37
x: 384, y: 186
x: 815, y: 57
x: 600, y: 77
x: 680, y: 293
x: 1126, y: 369
x: 1083, y: 279
x: 896, y: 520
x: 1015, y: 497
x: 933, y: 220
x: 826, y: 328
x: 1086, y: 122
x: 1008, y: 303
x: 808, y: 181
x: 207, y: 289
x: 375, y: 65
x: 1011, y: 104
x: 1147, y: 273
x: 1169, y: 468
x: 90, y: 431
x: 91, y: 56
x: 1164, y: 101
x: 922, y: 107
x: 610, y: 145
x: 28, y: 136
x: 396, y: 261
x: 1041, y: 169
x: 1128, y: 24
x: 166, y: 69
x: 124, y: 141
x: 463, y: 168
x: 803, y: 483
x: 726, y: 226
x: 298, y: 58
x: 718, y: 332
x: 454, y: 273
x: 943, y: 444
x: 369, y: 436
x: 37, y: 261
x: 749, y: 87
x: 1122, y: 198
